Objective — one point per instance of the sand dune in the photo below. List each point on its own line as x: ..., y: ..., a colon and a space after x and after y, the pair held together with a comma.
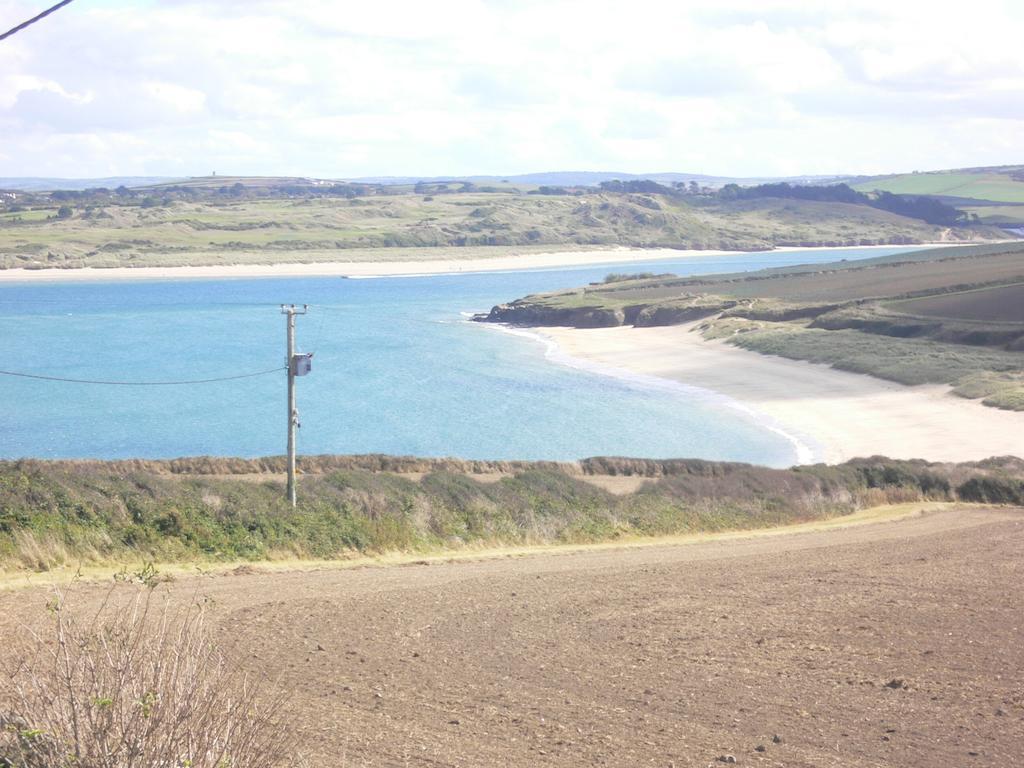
x: 840, y: 415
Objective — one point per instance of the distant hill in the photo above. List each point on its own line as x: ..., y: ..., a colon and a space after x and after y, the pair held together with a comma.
x: 268, y: 183
x: 592, y: 178
x: 991, y: 185
x: 45, y: 184
x: 525, y: 180
x: 995, y: 194
x: 547, y: 178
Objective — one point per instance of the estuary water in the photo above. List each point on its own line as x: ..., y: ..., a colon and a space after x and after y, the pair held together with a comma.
x: 397, y: 369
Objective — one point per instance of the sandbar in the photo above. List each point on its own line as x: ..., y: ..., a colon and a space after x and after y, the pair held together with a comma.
x: 448, y: 261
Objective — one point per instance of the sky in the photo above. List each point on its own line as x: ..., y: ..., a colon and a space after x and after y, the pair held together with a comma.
x: 462, y: 87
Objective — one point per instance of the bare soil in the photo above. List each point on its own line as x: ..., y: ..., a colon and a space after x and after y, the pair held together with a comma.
x: 890, y: 644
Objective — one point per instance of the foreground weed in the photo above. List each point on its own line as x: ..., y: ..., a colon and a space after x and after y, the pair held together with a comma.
x: 136, y: 683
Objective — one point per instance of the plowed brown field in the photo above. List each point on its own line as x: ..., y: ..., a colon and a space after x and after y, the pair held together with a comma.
x: 889, y: 644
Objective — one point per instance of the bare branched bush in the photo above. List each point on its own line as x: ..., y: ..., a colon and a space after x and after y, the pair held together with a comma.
x: 137, y: 683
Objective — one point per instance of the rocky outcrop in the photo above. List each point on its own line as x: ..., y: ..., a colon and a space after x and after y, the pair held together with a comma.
x: 530, y: 314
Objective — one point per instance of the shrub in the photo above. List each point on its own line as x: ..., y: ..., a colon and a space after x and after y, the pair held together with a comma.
x: 619, y: 277
x: 132, y: 685
x: 993, y: 490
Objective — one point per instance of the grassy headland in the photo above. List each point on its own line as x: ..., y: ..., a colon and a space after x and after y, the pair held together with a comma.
x: 267, y: 221
x: 943, y: 316
x: 207, y: 510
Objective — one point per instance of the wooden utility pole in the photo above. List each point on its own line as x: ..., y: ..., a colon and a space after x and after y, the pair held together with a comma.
x: 290, y: 310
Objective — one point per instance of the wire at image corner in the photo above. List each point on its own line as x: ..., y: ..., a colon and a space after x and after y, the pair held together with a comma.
x: 34, y: 19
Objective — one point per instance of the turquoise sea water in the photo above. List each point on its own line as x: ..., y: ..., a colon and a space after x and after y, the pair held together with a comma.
x: 397, y: 370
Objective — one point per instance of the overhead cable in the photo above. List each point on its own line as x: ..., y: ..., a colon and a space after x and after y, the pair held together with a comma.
x: 34, y: 19
x: 22, y: 375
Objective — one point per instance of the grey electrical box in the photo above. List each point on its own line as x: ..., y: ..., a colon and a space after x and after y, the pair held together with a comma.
x: 302, y: 364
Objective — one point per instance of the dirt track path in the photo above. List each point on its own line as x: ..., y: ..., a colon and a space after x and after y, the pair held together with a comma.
x: 658, y: 656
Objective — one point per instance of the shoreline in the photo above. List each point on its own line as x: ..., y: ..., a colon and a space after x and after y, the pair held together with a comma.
x: 805, y: 448
x: 836, y: 415
x: 410, y: 268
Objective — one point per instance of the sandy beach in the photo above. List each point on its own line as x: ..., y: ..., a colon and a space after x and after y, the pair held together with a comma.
x: 449, y: 262
x: 835, y: 414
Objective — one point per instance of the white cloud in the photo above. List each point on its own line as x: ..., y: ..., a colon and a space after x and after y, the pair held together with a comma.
x: 13, y: 86
x: 474, y: 86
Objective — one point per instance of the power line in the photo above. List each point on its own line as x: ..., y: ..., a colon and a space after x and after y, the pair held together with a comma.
x: 195, y: 305
x: 19, y: 374
x: 34, y: 19
x: 105, y: 303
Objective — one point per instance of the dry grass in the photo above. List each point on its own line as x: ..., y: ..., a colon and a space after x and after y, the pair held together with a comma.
x: 876, y: 512
x: 132, y: 683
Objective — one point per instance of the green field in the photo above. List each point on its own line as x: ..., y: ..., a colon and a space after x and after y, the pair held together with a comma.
x: 998, y: 215
x: 983, y: 184
x: 152, y: 231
